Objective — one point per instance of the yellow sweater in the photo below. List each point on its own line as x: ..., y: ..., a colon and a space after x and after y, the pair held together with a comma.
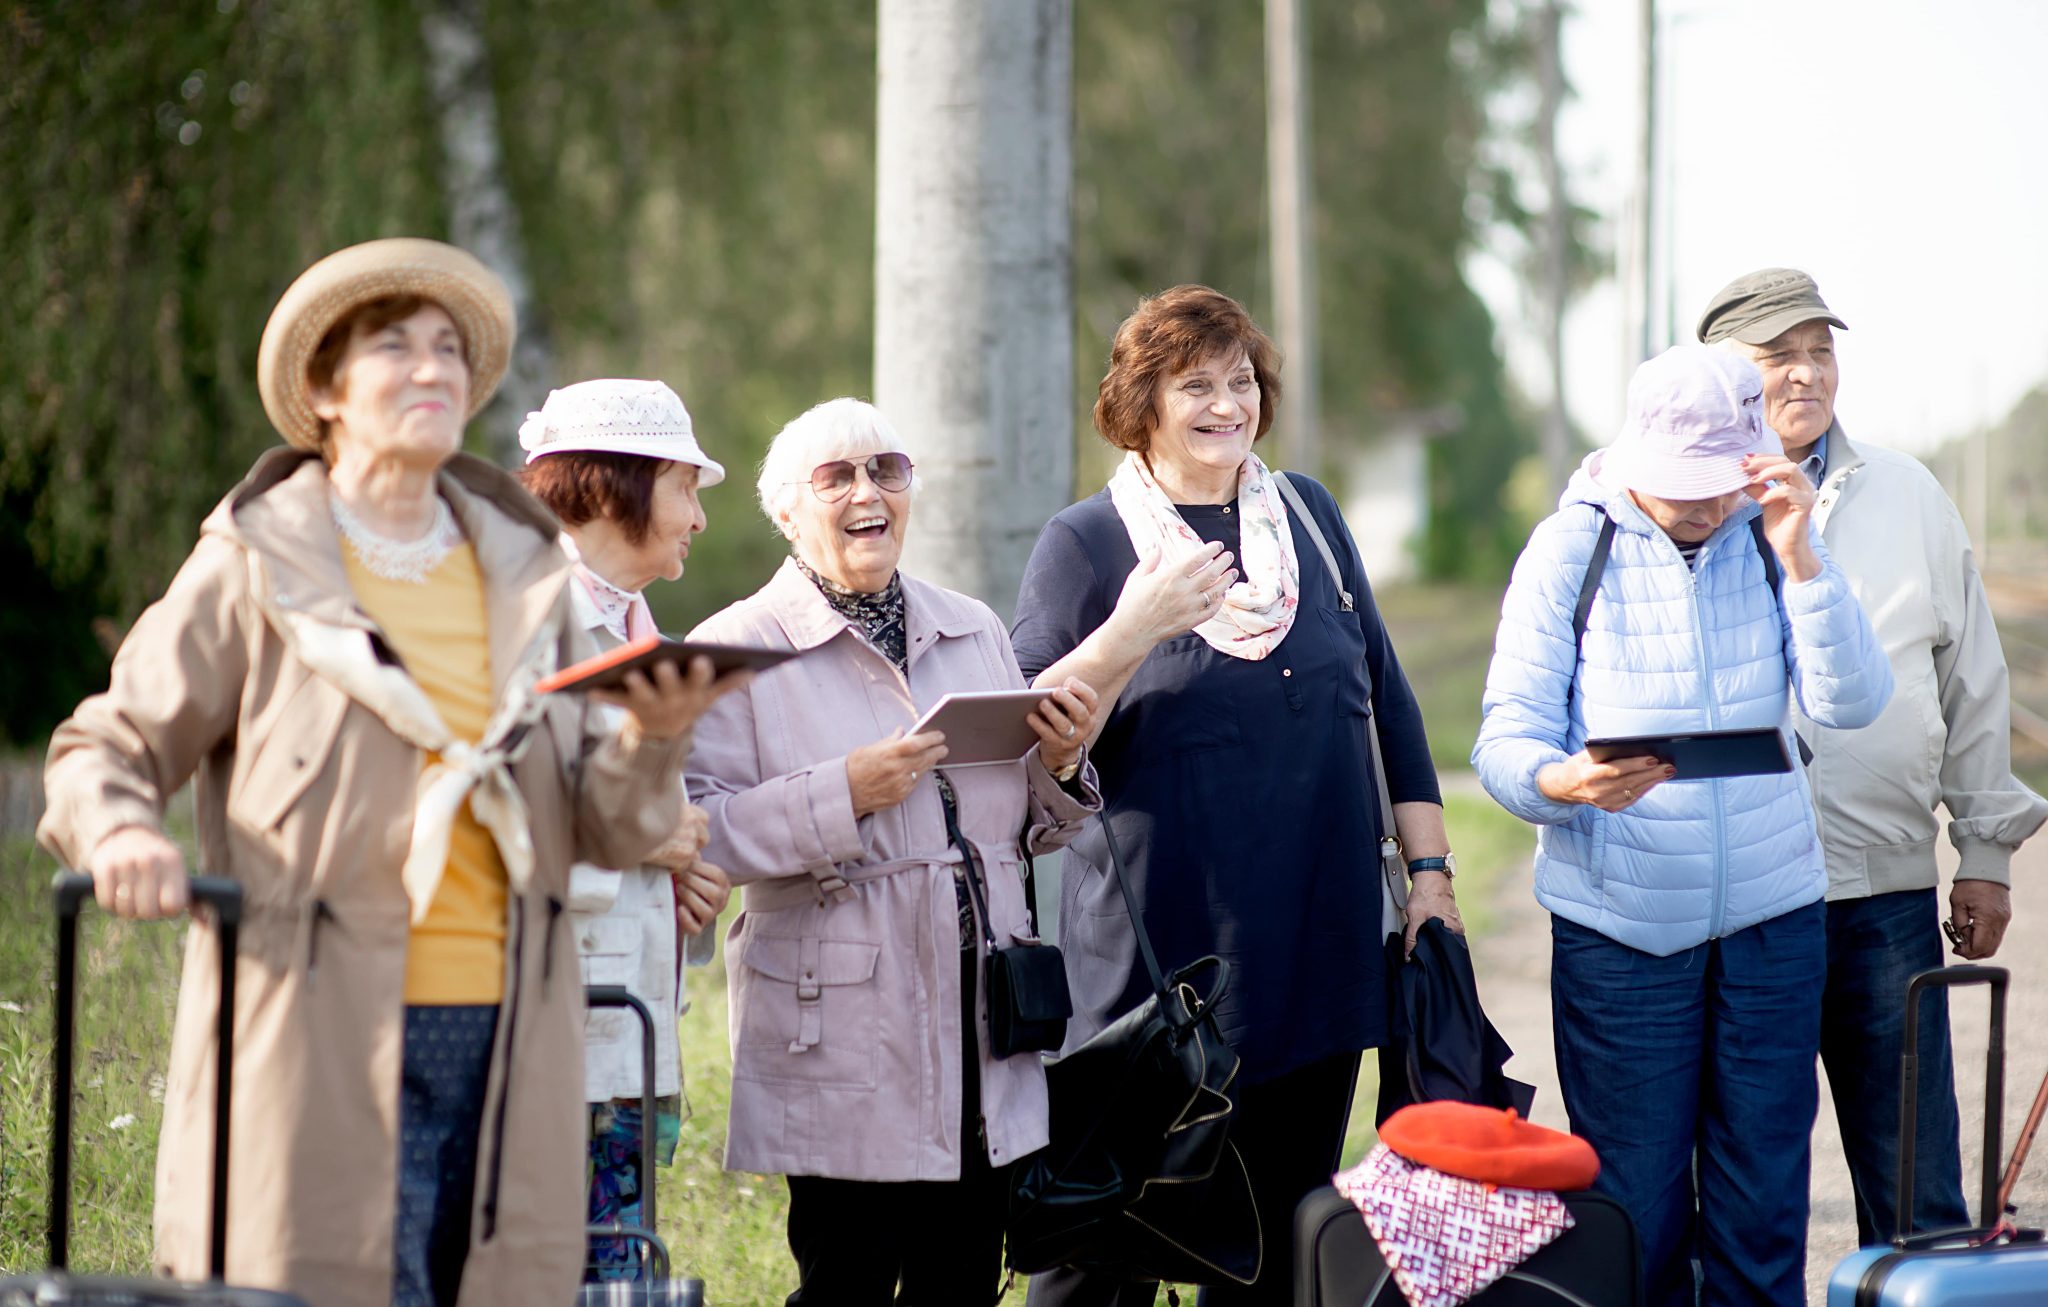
x: 440, y: 632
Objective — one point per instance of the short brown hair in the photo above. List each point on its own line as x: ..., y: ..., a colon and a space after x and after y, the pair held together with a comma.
x: 1171, y: 332
x: 583, y: 484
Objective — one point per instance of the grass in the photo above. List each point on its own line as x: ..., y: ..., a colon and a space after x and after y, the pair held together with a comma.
x: 128, y: 977
x: 727, y: 1228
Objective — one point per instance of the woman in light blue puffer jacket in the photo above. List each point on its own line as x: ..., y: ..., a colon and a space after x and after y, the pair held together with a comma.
x: 1688, y: 938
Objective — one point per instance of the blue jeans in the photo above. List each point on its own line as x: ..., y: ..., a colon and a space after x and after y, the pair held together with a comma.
x: 1693, y: 1078
x: 1875, y: 946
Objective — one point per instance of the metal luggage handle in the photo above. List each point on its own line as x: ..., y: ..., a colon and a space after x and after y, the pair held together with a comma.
x: 1998, y: 978
x: 596, y: 996
x: 72, y: 889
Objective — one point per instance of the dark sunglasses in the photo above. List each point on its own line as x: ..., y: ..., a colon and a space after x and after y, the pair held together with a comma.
x: 833, y: 481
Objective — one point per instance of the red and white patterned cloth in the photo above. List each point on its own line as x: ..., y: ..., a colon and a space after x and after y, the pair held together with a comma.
x: 1446, y: 1238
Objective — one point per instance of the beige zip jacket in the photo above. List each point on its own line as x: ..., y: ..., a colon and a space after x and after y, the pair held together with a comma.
x: 257, y: 676
x: 1945, y: 738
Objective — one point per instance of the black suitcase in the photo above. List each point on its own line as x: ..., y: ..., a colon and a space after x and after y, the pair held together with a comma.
x: 1596, y: 1262
x: 56, y: 1285
x: 658, y: 1289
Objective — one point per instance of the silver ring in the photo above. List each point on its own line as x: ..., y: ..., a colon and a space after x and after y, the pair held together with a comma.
x: 1629, y: 792
x: 913, y: 778
x: 1070, y: 733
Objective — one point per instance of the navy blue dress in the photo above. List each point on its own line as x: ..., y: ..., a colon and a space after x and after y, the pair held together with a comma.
x: 1241, y: 793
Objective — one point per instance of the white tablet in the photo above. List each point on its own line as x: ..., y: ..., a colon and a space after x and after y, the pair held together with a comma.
x: 983, y: 727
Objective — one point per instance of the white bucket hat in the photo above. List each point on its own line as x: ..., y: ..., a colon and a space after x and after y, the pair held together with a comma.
x: 1694, y: 413
x: 617, y: 416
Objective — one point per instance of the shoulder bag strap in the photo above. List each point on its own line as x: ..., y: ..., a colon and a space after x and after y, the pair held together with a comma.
x: 1589, y: 588
x: 972, y: 871
x: 1315, y: 533
x: 1390, y: 843
x: 1116, y: 869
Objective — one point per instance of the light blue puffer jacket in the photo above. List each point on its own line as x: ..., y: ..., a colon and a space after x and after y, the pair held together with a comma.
x: 1668, y: 649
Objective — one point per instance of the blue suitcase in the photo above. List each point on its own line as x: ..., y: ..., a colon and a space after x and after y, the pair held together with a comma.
x: 1992, y: 1265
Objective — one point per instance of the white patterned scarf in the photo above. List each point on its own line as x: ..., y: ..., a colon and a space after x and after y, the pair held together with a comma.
x: 1448, y: 1239
x: 1258, y: 610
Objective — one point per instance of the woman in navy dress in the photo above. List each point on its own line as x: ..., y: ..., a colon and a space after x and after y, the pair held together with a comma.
x: 1236, y: 767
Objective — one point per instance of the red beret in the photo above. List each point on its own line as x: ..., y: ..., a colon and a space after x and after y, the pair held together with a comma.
x: 1491, y: 1146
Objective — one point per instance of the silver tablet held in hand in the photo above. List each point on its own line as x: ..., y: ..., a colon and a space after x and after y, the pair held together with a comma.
x: 983, y: 727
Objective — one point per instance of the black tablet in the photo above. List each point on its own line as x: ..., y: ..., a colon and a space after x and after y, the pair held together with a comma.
x: 607, y: 671
x: 1703, y: 755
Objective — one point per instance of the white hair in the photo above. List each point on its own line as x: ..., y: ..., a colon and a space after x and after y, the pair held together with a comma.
x: 838, y: 428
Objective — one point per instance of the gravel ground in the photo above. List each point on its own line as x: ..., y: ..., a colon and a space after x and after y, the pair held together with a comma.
x: 1514, y: 978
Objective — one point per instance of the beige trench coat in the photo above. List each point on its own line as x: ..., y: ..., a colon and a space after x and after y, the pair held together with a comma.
x: 306, y: 796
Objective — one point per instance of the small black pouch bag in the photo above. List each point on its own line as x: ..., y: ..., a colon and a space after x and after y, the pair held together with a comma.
x: 1028, y: 1000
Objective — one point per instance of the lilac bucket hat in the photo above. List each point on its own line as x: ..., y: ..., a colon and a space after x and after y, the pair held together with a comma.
x: 1694, y: 413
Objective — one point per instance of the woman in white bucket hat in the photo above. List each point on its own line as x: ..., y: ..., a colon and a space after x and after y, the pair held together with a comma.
x: 618, y: 461
x: 1680, y: 588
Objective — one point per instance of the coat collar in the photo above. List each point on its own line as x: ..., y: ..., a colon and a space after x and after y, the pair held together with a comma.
x: 280, y: 514
x: 929, y: 611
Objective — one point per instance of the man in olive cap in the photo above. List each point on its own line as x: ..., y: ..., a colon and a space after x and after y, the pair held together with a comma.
x: 1945, y: 739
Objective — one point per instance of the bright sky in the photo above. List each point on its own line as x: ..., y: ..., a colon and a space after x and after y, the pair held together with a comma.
x: 1895, y: 149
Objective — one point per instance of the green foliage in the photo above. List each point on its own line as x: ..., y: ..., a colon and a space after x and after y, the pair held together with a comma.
x: 695, y: 186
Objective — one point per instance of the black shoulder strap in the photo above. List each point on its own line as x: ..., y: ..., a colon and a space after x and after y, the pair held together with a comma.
x: 1776, y: 578
x: 1596, y: 567
x: 1769, y: 555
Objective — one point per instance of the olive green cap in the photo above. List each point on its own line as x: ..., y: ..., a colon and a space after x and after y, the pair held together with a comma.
x: 1761, y: 306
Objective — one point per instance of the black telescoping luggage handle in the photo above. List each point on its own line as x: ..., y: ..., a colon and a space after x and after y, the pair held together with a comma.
x: 1998, y: 978
x: 71, y: 890
x: 596, y: 996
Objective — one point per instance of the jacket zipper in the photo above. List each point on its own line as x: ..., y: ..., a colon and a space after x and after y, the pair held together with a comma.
x: 510, y: 1016
x: 1699, y: 633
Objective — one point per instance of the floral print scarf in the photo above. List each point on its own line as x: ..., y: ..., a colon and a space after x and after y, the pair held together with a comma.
x: 1258, y: 610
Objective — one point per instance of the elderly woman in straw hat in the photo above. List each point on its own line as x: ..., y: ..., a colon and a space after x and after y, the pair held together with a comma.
x: 618, y: 462
x: 876, y: 880
x: 1679, y: 588
x: 345, y: 665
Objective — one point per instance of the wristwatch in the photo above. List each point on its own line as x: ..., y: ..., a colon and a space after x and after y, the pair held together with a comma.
x: 1447, y: 864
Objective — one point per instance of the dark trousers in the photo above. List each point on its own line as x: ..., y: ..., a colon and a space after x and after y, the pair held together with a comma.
x: 1290, y: 1130
x: 1875, y: 945
x: 1693, y: 1078
x: 861, y: 1243
x: 446, y: 1067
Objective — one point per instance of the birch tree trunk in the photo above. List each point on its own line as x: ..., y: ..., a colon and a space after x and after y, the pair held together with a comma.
x: 482, y: 217
x: 1557, y: 427
x: 974, y: 312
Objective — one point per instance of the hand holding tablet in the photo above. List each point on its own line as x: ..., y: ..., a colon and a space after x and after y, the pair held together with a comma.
x: 984, y: 728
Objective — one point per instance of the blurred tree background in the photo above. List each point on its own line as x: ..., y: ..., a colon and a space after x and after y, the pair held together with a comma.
x: 695, y: 187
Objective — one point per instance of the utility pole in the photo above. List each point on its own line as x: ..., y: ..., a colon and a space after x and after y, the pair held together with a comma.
x: 974, y: 316
x: 1290, y: 199
x: 1557, y: 427
x: 1635, y: 280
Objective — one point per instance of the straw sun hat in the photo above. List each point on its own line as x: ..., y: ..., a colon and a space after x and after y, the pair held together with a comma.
x: 329, y: 290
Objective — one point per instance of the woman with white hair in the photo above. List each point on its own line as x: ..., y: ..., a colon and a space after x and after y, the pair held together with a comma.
x: 876, y: 882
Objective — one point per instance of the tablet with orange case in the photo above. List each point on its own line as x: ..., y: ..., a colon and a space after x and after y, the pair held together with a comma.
x: 607, y: 671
